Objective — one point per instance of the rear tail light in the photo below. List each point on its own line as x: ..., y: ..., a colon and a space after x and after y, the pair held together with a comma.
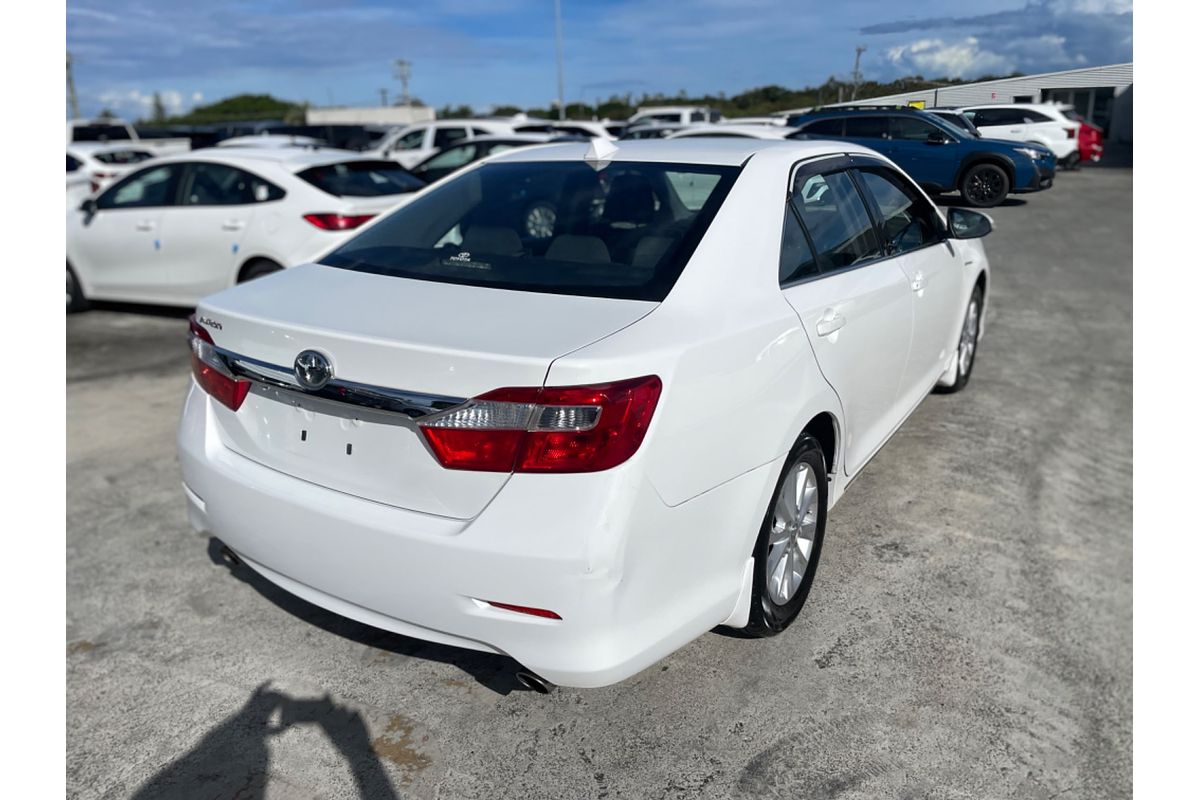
x: 337, y: 222
x: 1070, y: 133
x: 211, y: 373
x: 536, y: 612
x: 546, y: 429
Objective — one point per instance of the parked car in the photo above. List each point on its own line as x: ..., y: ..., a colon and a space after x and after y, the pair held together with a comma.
x: 1091, y: 136
x: 100, y: 163
x: 181, y: 227
x: 415, y: 143
x: 723, y: 131
x: 457, y: 156
x: 580, y: 128
x: 272, y: 140
x: 651, y: 130
x: 112, y: 130
x: 1042, y: 124
x: 688, y: 387
x: 937, y: 155
x: 675, y: 115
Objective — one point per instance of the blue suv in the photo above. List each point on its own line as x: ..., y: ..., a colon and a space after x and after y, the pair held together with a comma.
x: 938, y: 156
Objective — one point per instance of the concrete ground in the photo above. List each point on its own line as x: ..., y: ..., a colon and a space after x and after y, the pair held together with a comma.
x: 968, y: 635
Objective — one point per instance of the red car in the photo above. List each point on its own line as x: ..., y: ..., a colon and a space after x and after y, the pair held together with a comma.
x: 1091, y: 138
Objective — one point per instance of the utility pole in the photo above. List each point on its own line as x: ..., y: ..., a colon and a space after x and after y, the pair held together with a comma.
x: 562, y: 108
x: 403, y: 73
x: 858, y: 51
x: 383, y: 97
x: 71, y: 96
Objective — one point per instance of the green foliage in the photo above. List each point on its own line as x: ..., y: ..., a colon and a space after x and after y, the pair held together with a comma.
x: 241, y: 108
x: 455, y: 112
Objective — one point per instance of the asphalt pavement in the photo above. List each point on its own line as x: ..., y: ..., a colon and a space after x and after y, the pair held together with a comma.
x: 969, y: 633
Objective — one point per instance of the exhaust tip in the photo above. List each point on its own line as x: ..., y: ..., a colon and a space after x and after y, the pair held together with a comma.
x: 534, y: 683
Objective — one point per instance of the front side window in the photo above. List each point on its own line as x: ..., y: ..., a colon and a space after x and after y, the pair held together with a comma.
x: 150, y: 187
x: 866, y: 127
x: 562, y: 227
x: 221, y: 185
x: 411, y: 140
x: 452, y: 158
x: 912, y: 129
x: 908, y: 220
x: 836, y: 219
x: 362, y: 179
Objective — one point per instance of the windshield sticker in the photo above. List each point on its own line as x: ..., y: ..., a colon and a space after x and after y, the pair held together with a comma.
x: 464, y: 259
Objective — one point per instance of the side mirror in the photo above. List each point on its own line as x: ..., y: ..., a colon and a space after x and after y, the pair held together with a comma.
x: 88, y: 206
x: 967, y: 224
x: 936, y: 137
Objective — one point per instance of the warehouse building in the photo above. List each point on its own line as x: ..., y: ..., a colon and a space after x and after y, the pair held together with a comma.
x: 1103, y: 95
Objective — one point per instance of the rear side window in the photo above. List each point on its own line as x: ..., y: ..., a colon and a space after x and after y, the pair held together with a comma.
x: 444, y: 137
x: 207, y: 184
x: 99, y: 133
x: 362, y: 179
x: 866, y: 127
x: 825, y: 127
x: 123, y: 157
x: 564, y: 227
x: 1032, y: 116
x: 837, y: 220
x: 796, y: 259
x: 72, y: 163
x: 912, y: 129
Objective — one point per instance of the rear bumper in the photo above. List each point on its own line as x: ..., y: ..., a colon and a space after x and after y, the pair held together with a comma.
x: 621, y: 568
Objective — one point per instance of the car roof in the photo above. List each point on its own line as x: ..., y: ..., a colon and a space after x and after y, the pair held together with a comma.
x: 291, y: 158
x: 697, y: 150
x: 864, y: 109
x: 531, y: 138
x: 117, y: 145
x: 749, y: 131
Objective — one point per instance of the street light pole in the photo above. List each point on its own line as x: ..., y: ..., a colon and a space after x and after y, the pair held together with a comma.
x: 562, y: 108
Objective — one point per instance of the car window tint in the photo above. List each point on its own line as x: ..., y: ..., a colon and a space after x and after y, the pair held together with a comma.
x: 218, y: 185
x: 452, y: 157
x: 444, y: 137
x: 150, y: 187
x: 123, y: 156
x: 72, y: 163
x: 411, y: 140
x: 912, y: 129
x: 1030, y: 116
x: 836, y: 218
x: 825, y: 127
x: 479, y: 132
x: 362, y: 178
x: 562, y: 227
x: 909, y: 221
x: 866, y: 127
x: 796, y: 259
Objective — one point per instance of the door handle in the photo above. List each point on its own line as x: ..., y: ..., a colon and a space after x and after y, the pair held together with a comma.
x: 918, y: 282
x: 144, y: 225
x: 830, y: 323
x: 232, y: 225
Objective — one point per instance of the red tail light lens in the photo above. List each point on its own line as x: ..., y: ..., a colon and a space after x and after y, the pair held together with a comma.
x: 210, y: 372
x: 537, y: 612
x: 551, y: 429
x: 337, y: 222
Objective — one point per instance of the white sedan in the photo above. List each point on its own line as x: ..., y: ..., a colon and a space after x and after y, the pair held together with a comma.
x: 586, y: 450
x: 182, y: 227
x: 93, y: 165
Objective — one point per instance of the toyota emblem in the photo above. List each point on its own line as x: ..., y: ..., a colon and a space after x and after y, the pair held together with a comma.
x: 312, y: 370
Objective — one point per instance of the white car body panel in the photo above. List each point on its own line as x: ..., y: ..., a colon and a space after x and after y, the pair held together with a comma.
x: 743, y: 373
x: 1052, y: 134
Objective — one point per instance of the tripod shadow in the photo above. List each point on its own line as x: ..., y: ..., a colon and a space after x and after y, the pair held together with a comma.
x: 232, y: 760
x: 495, y: 672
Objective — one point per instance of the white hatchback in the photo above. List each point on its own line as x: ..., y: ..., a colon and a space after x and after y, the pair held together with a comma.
x: 182, y: 227
x: 584, y: 450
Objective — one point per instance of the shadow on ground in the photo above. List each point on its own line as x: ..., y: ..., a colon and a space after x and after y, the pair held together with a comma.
x: 495, y: 672
x: 232, y: 760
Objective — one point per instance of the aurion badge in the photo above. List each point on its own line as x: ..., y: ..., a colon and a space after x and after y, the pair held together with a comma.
x: 312, y: 370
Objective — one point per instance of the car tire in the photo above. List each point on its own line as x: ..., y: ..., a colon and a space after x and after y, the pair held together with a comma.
x: 538, y: 220
x: 257, y: 269
x: 778, y: 593
x: 984, y: 185
x: 955, y: 379
x: 76, y: 301
x: 1071, y: 162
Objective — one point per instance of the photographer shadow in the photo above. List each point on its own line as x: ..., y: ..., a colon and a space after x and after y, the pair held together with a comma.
x: 495, y: 672
x: 232, y: 760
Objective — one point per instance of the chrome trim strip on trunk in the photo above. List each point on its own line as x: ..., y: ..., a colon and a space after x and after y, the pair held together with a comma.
x: 338, y: 397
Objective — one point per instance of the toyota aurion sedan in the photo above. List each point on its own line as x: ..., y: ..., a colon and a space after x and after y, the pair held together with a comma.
x: 581, y: 450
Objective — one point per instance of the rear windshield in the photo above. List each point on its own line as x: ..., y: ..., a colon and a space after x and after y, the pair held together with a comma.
x: 122, y: 156
x: 362, y: 179
x: 564, y: 227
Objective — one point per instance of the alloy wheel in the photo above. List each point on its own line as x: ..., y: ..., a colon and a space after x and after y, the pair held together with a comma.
x: 793, y: 530
x: 970, y: 335
x: 985, y: 186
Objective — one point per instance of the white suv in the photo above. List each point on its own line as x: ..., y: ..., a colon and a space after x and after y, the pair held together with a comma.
x: 1028, y: 122
x: 413, y: 144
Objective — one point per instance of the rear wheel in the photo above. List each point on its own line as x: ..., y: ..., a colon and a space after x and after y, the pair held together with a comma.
x: 1071, y: 162
x: 75, y: 299
x: 257, y: 269
x: 984, y: 185
x: 968, y: 341
x: 789, y: 544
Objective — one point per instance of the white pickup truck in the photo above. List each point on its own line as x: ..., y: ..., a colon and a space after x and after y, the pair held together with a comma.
x: 111, y: 130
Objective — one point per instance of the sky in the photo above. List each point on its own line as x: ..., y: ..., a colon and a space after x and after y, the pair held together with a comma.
x: 485, y: 53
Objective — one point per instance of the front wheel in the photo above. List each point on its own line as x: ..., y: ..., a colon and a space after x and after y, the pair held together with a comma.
x: 789, y: 544
x: 984, y: 185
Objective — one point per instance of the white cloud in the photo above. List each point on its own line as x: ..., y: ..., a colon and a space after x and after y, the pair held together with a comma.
x: 961, y: 59
x: 136, y: 103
